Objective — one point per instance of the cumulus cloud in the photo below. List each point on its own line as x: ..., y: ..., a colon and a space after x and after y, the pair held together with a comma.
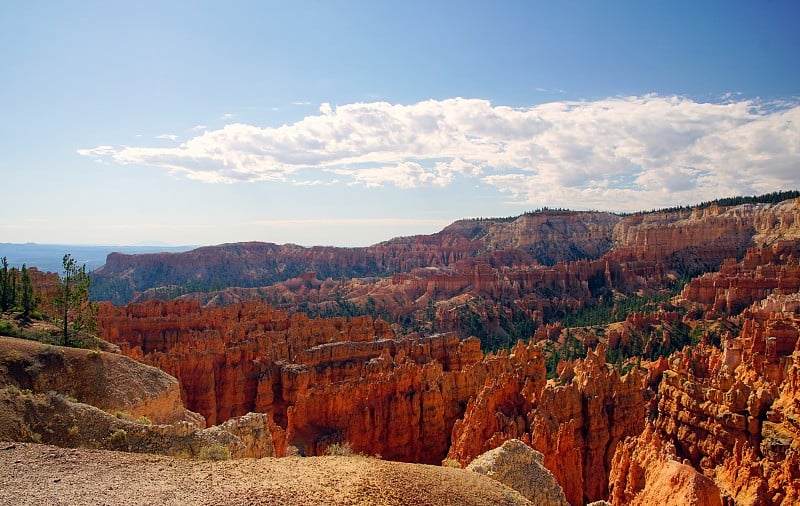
x: 170, y: 137
x: 405, y: 175
x: 621, y: 153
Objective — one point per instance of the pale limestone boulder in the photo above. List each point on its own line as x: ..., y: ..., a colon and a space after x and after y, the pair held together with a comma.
x: 520, y: 467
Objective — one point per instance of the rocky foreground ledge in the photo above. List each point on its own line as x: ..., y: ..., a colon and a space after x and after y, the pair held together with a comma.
x: 34, y: 474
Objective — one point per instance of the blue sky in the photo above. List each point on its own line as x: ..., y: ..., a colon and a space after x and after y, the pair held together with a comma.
x: 348, y: 123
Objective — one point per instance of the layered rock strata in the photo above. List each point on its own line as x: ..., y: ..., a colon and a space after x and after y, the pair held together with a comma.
x: 645, y: 471
x: 576, y: 425
x: 324, y: 380
x: 55, y: 419
x: 109, y: 381
x: 731, y: 411
x: 634, y: 245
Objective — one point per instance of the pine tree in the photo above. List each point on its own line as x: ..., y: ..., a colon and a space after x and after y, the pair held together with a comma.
x: 72, y: 300
x: 7, y: 294
x: 27, y: 297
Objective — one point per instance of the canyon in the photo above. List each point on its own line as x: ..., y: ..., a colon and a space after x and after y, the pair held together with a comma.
x: 645, y: 357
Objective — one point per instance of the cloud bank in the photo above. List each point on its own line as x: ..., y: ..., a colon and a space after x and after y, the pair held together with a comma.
x: 624, y: 153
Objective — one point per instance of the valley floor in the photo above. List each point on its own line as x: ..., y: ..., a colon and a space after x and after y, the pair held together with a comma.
x: 33, y: 474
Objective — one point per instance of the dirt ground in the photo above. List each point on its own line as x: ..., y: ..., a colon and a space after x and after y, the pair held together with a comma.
x: 34, y: 474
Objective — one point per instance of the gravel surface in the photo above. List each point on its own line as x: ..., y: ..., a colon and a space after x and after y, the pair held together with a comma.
x: 32, y: 474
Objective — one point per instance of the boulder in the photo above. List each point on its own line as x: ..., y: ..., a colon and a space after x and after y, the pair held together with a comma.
x: 520, y: 467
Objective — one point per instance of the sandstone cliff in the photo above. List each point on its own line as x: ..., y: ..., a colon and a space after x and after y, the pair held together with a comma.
x: 729, y: 411
x: 108, y: 381
x: 692, y: 240
x: 323, y: 380
x: 576, y: 425
x: 645, y: 471
x: 546, y: 237
x: 726, y: 401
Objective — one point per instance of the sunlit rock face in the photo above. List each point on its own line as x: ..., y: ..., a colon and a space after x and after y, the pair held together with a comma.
x: 323, y: 380
x: 731, y: 411
x: 722, y: 412
x: 645, y: 470
x: 576, y: 425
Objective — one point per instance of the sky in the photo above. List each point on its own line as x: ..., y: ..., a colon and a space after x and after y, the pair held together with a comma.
x: 349, y: 123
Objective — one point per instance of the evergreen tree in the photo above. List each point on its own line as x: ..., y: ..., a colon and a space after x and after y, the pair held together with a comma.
x: 72, y: 301
x: 27, y: 298
x: 7, y: 287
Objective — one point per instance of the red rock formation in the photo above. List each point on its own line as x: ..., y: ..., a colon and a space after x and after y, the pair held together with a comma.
x: 324, y: 380
x: 576, y: 425
x: 548, y: 236
x: 495, y: 267
x: 713, y: 234
x: 737, y: 285
x: 731, y: 412
x: 646, y: 471
x: 327, y: 380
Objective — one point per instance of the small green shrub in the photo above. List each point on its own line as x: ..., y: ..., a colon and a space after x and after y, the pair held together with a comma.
x: 7, y: 329
x: 143, y: 420
x: 343, y: 449
x: 24, y: 393
x: 10, y: 329
x: 36, y: 437
x: 50, y: 353
x: 451, y: 463
x: 123, y: 415
x: 215, y: 451
x: 118, y: 438
x: 93, y: 354
x: 73, y: 431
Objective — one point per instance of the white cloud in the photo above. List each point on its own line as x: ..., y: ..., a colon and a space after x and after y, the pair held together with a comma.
x: 227, y: 115
x: 171, y: 137
x: 301, y: 102
x: 405, y: 175
x: 616, y: 153
x: 198, y: 128
x: 308, y: 182
x: 98, y: 152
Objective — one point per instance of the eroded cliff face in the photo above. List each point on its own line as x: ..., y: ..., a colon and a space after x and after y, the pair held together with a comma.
x: 547, y: 237
x: 645, y: 470
x: 576, y: 425
x: 329, y: 380
x: 107, y: 381
x: 737, y: 285
x: 323, y: 380
x: 724, y: 408
x: 522, y: 251
x: 730, y: 411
